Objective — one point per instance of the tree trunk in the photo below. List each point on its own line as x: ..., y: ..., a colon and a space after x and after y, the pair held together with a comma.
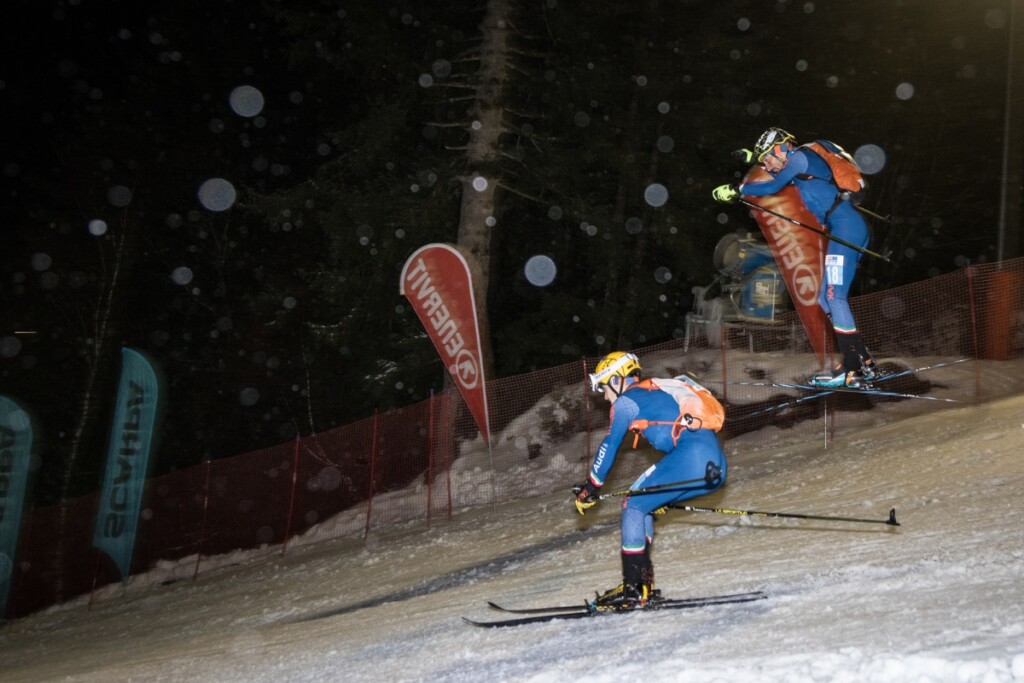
x: 104, y: 332
x: 627, y: 331
x: 615, y: 313
x: 477, y: 220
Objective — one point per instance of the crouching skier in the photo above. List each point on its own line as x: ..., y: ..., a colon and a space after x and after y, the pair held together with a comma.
x: 678, y: 417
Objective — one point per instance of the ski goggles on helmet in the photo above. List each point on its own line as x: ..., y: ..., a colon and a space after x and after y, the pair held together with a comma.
x: 621, y: 367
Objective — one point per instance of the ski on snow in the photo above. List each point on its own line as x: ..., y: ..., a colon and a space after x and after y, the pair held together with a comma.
x: 869, y: 390
x: 540, y: 615
x: 586, y: 606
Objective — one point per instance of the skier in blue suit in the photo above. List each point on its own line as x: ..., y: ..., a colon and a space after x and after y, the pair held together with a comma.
x: 811, y: 175
x: 683, y: 425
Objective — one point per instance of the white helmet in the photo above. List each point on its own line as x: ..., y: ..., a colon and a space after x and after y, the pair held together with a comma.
x: 770, y: 140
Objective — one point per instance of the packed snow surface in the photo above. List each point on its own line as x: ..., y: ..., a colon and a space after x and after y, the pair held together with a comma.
x: 940, y: 598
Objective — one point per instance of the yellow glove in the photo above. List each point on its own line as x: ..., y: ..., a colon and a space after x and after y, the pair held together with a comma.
x: 581, y: 506
x: 726, y: 194
x: 744, y: 156
x: 586, y: 496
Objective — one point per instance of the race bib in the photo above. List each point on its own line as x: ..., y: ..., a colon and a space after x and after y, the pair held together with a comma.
x: 834, y: 269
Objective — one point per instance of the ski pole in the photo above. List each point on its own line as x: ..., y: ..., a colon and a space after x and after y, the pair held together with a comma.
x: 712, y: 473
x: 827, y: 235
x: 660, y: 488
x: 869, y: 212
x: 754, y: 513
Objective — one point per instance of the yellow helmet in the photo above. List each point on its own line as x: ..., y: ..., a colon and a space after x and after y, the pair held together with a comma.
x: 615, y: 364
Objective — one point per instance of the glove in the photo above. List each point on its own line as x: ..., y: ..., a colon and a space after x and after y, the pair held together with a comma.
x: 586, y: 495
x: 744, y: 156
x: 726, y: 194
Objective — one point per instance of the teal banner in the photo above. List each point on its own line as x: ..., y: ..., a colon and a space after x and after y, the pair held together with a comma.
x: 131, y: 437
x: 15, y: 455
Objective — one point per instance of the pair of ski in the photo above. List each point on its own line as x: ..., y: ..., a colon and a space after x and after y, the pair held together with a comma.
x: 871, y: 389
x: 538, y: 615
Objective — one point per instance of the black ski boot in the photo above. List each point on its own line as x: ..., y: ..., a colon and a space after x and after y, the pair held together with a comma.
x: 647, y: 576
x: 632, y: 592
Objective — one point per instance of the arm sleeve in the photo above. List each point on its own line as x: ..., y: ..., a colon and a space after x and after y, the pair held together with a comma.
x: 795, y: 165
x: 623, y: 412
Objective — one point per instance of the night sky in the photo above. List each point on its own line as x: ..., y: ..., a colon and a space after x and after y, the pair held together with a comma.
x: 192, y: 122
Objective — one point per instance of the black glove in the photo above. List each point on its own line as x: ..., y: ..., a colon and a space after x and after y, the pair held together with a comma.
x: 586, y: 495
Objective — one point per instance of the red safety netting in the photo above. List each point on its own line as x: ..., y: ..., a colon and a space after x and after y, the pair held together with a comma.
x: 425, y: 461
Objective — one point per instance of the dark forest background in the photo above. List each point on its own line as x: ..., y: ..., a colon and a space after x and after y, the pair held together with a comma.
x: 232, y: 187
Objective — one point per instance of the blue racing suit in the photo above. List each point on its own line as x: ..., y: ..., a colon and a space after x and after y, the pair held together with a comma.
x: 686, y: 459
x: 842, y: 219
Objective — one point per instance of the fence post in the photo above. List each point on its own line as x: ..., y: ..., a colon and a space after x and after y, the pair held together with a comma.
x: 972, y: 305
x: 202, y: 526
x: 829, y: 347
x: 95, y: 576
x: 430, y: 456
x: 725, y: 363
x: 15, y: 587
x: 449, y: 436
x: 291, y: 502
x: 586, y: 403
x: 1001, y: 291
x: 373, y: 462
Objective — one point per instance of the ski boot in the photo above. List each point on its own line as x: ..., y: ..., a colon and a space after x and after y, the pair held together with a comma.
x: 625, y: 596
x: 825, y: 375
x: 840, y: 379
x: 653, y: 594
x: 870, y: 371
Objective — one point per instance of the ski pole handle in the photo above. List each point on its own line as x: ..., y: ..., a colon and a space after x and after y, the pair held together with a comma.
x: 712, y: 474
x: 869, y: 212
x: 660, y: 488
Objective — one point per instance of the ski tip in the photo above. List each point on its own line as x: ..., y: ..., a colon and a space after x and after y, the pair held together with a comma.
x: 892, y: 518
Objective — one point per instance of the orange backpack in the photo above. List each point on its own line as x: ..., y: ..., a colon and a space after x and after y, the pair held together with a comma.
x: 698, y: 407
x: 846, y: 175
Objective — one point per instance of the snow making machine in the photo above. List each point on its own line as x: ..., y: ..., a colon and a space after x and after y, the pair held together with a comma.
x: 750, y: 288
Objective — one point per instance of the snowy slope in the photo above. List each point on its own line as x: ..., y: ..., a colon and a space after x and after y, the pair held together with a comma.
x: 938, y: 599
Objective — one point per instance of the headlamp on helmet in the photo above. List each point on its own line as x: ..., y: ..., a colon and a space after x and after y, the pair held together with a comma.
x: 615, y: 364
